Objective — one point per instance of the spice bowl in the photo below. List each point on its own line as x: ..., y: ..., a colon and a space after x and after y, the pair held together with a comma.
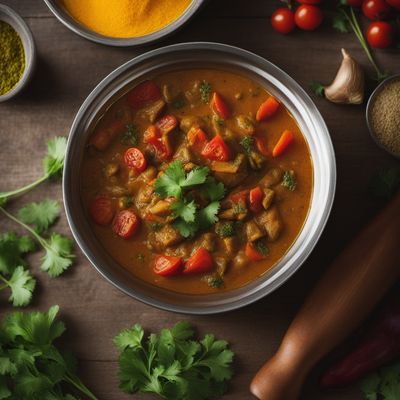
x: 71, y: 23
x: 376, y: 98
x: 11, y: 17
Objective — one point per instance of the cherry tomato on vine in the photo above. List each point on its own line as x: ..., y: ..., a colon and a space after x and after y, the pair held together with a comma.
x: 394, y: 3
x: 309, y: 1
x: 282, y: 20
x: 308, y: 17
x: 380, y: 34
x: 375, y: 9
x: 354, y: 3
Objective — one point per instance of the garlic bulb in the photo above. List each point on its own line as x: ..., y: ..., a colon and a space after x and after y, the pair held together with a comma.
x: 348, y: 85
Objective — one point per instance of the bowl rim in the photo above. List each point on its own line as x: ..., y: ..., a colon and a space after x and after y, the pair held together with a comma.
x: 237, y: 302
x: 368, y: 110
x: 29, y: 48
x: 93, y: 36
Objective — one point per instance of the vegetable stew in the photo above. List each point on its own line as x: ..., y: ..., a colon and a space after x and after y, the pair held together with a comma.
x: 197, y: 180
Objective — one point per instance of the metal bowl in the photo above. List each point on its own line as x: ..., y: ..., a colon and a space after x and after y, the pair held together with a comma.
x: 198, y: 55
x: 65, y: 18
x: 8, y: 15
x: 368, y: 111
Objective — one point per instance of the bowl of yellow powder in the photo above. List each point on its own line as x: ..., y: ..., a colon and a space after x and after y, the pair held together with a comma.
x: 124, y: 22
x: 17, y: 53
x: 383, y: 115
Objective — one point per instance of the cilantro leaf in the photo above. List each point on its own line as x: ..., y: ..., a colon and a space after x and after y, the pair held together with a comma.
x: 186, y: 229
x: 289, y: 180
x: 172, y: 364
x: 341, y: 23
x: 53, y: 163
x: 168, y: 184
x: 40, y: 215
x: 205, y: 91
x: 317, y: 88
x: 214, y: 190
x: 196, y: 176
x: 12, y: 248
x: 382, y: 385
x: 22, y: 285
x: 58, y: 257
x: 185, y: 210
x: 208, y: 216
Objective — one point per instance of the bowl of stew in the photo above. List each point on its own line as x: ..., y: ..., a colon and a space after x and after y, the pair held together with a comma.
x: 198, y: 177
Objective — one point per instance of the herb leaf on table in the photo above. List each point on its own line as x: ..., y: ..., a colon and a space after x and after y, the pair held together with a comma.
x: 382, y: 385
x: 173, y: 364
x: 40, y: 215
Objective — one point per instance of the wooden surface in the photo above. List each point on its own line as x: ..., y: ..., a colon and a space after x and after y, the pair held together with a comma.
x: 68, y: 68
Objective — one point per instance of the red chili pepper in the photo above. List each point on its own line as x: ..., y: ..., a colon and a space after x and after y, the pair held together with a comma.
x: 380, y: 346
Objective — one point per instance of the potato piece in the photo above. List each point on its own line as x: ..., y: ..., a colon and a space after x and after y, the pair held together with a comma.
x: 231, y: 167
x: 230, y: 245
x: 170, y: 92
x: 189, y: 121
x: 245, y: 125
x: 162, y: 208
x: 208, y: 241
x: 111, y: 169
x: 256, y: 160
x: 153, y: 111
x: 193, y: 94
x: 167, y: 236
x: 271, y: 221
x: 149, y: 174
x: 269, y: 195
x: 183, y: 154
x: 222, y: 265
x: 240, y: 260
x: 253, y: 231
x: 272, y: 177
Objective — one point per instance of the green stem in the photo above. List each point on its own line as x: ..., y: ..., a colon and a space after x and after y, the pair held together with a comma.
x: 6, y: 283
x: 77, y: 383
x: 28, y: 228
x: 24, y: 189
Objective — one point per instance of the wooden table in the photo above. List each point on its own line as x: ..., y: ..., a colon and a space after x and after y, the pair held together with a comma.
x: 68, y: 68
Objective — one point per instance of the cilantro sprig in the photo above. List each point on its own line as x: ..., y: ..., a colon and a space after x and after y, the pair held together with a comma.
x: 53, y: 164
x: 173, y: 364
x: 31, y: 366
x: 190, y: 218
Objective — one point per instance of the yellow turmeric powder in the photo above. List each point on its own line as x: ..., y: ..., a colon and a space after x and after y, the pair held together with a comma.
x: 125, y: 18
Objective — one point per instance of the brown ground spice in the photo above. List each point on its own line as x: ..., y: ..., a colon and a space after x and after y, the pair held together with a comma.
x: 385, y: 116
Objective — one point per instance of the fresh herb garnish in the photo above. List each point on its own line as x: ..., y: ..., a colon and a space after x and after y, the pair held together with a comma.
x: 289, y: 180
x: 385, y: 183
x: 205, y: 92
x: 317, y: 88
x: 247, y: 143
x: 175, y: 182
x: 225, y: 229
x: 238, y: 208
x: 131, y: 136
x: 173, y: 364
x: 215, y: 282
x: 58, y: 249
x: 261, y: 247
x: 53, y: 164
x: 31, y: 366
x: 382, y: 385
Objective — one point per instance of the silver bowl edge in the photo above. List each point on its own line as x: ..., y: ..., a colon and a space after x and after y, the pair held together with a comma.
x: 281, y: 85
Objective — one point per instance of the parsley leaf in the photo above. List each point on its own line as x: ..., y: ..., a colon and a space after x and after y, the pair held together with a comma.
x: 31, y: 366
x: 289, y: 180
x: 58, y: 257
x: 131, y: 136
x: 172, y: 364
x: 53, y: 162
x: 196, y: 176
x: 169, y: 183
x: 22, y: 285
x: 186, y: 229
x: 247, y: 143
x: 185, y: 210
x: 225, y: 229
x: 12, y: 249
x: 214, y: 190
x: 208, y: 216
x: 261, y: 247
x: 40, y: 215
x: 205, y: 91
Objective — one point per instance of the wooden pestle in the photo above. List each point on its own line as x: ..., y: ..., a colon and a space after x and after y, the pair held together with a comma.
x: 345, y: 295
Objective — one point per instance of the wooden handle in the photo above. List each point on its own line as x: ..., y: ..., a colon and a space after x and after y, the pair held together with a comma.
x: 350, y: 289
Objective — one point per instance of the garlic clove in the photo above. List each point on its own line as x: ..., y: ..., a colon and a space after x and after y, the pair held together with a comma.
x: 349, y: 82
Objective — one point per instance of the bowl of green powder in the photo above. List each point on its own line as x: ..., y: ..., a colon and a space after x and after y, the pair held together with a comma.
x: 17, y: 53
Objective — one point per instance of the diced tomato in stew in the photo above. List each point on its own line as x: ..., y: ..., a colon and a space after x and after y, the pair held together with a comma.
x: 239, y: 197
x: 135, y: 159
x: 267, y: 109
x: 143, y: 94
x: 197, y: 138
x: 283, y: 143
x: 126, y: 224
x: 167, y: 265
x: 262, y: 146
x: 102, y: 211
x: 200, y: 262
x: 167, y: 124
x: 255, y: 199
x: 252, y: 253
x: 159, y: 143
x: 216, y: 149
x: 219, y: 106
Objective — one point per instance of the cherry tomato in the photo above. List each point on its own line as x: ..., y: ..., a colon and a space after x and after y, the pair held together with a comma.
x: 255, y: 199
x: 308, y: 17
x: 101, y: 210
x: 126, y: 223
x: 355, y: 3
x: 134, y: 158
x: 144, y: 93
x: 267, y: 109
x: 375, y: 9
x: 219, y: 106
x: 201, y: 261
x: 380, y: 34
x: 167, y: 265
x: 167, y: 124
x: 216, y: 149
x: 282, y: 20
x: 394, y: 3
x: 309, y: 1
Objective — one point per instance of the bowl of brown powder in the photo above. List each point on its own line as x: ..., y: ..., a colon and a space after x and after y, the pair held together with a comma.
x: 383, y: 115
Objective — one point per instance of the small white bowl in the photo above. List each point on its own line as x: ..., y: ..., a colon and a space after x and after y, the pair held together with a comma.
x: 8, y: 15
